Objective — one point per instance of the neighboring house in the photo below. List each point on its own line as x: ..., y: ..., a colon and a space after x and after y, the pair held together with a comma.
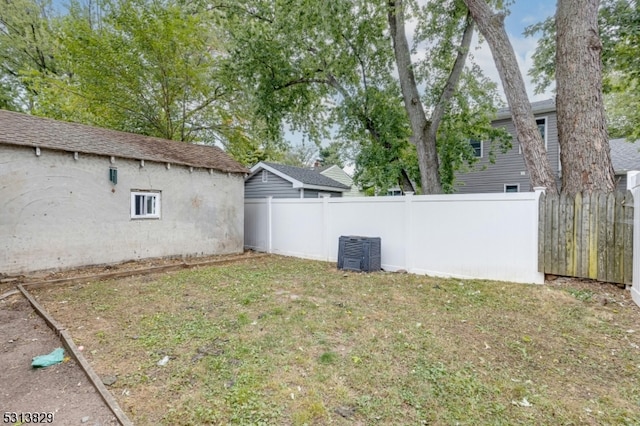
x: 336, y: 173
x: 509, y: 173
x: 625, y: 157
x: 408, y: 186
x: 281, y: 181
x: 75, y: 195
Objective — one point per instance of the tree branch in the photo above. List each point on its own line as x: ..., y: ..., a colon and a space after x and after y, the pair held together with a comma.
x: 454, y: 76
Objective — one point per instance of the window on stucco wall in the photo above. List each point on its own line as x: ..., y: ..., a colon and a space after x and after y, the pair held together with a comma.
x: 145, y: 205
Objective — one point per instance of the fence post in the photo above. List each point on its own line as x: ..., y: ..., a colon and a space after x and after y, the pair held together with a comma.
x: 539, y: 191
x: 408, y: 231
x: 633, y: 184
x: 269, y: 225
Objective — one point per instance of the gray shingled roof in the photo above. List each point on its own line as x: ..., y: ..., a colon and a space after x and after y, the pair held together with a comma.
x: 538, y: 107
x: 28, y: 130
x: 306, y: 176
x: 625, y: 155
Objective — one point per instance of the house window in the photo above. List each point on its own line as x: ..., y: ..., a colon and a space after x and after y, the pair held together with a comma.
x: 512, y: 188
x: 542, y: 128
x: 145, y: 205
x: 265, y: 176
x: 477, y: 147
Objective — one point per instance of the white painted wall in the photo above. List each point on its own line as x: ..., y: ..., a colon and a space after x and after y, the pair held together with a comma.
x: 492, y: 236
x: 57, y: 212
x: 633, y: 185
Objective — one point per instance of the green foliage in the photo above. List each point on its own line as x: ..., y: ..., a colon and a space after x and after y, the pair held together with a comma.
x: 333, y: 154
x: 383, y: 150
x: 544, y: 58
x: 235, y: 73
x: 27, y: 46
x: 146, y: 67
x: 152, y: 67
x: 306, y: 67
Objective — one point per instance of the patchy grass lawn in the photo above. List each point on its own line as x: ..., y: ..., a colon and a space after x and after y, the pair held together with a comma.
x: 278, y: 340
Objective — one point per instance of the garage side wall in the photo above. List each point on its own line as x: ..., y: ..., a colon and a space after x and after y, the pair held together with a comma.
x: 61, y: 212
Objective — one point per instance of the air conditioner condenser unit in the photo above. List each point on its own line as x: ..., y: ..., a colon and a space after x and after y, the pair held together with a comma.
x: 361, y: 254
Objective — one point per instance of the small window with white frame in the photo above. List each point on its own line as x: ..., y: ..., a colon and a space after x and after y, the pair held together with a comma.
x: 145, y: 205
x: 512, y: 187
x: 265, y: 176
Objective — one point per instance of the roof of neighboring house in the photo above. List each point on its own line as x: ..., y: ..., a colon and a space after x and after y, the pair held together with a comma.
x: 28, y: 130
x: 321, y: 169
x: 300, y: 177
x: 625, y: 156
x: 538, y: 107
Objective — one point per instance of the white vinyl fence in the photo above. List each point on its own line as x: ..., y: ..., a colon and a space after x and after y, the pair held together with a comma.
x: 633, y: 185
x: 491, y: 236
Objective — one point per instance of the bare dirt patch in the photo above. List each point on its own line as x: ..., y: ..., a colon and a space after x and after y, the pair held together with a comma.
x: 62, y: 389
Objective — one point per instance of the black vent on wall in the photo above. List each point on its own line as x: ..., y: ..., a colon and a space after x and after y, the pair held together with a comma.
x: 359, y: 253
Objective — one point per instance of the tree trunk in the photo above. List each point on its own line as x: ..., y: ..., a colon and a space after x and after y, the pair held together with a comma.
x: 425, y: 131
x: 427, y: 151
x: 535, y: 157
x: 582, y: 131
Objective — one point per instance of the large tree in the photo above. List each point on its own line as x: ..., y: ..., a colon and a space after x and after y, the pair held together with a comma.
x: 619, y: 28
x: 152, y: 67
x: 311, y: 70
x: 491, y: 25
x: 425, y: 130
x: 147, y: 66
x: 582, y: 131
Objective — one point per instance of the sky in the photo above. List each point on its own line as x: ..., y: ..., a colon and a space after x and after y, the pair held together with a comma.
x: 523, y: 13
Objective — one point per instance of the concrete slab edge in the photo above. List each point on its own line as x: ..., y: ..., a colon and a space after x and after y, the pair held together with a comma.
x: 71, y: 347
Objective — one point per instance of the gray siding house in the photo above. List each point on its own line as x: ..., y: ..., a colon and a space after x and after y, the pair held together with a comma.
x: 282, y: 181
x: 509, y: 173
x: 74, y: 195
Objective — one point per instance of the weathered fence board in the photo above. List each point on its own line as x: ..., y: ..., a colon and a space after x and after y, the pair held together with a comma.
x: 588, y: 236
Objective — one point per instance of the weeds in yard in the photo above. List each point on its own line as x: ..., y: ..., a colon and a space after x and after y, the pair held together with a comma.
x: 288, y: 341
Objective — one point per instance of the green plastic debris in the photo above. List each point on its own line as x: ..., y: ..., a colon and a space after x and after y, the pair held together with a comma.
x: 54, y: 357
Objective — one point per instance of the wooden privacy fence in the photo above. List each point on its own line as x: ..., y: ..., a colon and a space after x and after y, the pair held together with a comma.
x: 587, y: 236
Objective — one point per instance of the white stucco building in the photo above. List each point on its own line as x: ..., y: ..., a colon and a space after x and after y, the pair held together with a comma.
x: 74, y: 195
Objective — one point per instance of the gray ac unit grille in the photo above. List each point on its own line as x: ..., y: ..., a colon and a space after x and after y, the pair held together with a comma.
x: 359, y: 253
x: 353, y: 249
